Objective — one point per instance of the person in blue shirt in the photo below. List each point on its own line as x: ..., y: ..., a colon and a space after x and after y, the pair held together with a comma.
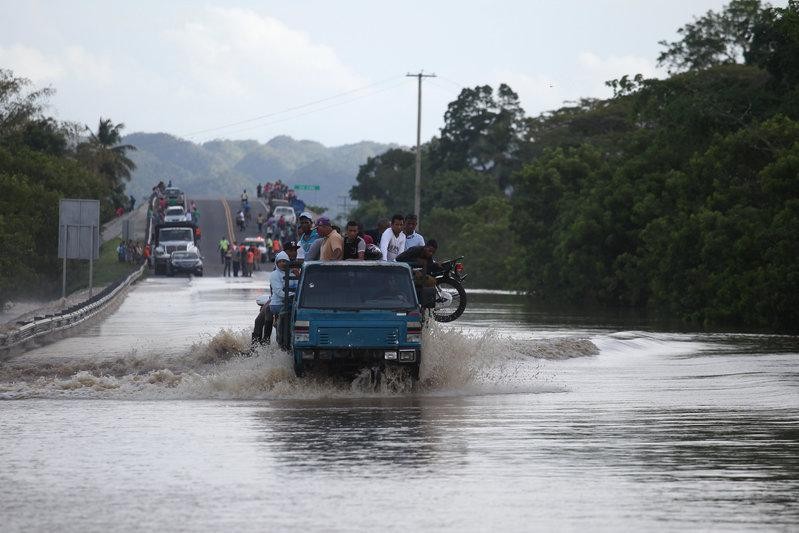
x: 307, y: 233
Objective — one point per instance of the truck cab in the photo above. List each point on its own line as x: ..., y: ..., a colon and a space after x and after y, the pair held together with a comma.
x: 346, y: 315
x: 172, y: 237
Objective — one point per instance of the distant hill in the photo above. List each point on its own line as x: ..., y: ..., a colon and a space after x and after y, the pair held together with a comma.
x: 224, y: 167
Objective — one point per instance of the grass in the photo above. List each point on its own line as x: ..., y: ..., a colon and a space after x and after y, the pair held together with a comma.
x: 107, y: 269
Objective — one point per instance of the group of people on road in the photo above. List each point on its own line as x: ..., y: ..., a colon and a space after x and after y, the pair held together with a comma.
x: 132, y: 251
x: 324, y: 241
x: 239, y: 258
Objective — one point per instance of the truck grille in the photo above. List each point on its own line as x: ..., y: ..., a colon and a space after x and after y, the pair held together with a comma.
x: 358, y: 337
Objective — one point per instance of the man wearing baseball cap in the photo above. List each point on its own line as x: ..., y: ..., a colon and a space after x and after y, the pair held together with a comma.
x: 333, y: 246
x: 307, y: 233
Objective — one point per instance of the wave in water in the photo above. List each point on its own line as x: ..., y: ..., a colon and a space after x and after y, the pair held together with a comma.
x: 452, y: 363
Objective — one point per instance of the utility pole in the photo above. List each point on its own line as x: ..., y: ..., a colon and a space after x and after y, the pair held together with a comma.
x: 417, y: 196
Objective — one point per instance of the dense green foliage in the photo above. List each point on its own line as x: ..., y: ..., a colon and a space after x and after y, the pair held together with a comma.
x: 42, y: 161
x: 680, y: 194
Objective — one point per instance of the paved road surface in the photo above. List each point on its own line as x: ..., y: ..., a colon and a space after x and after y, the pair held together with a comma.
x: 217, y: 219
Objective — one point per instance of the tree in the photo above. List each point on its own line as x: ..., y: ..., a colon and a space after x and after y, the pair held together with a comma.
x: 482, y: 132
x: 775, y: 44
x: 715, y: 38
x: 104, y: 154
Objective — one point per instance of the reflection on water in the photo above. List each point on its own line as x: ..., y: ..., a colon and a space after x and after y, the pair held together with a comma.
x: 538, y: 418
x: 379, y: 434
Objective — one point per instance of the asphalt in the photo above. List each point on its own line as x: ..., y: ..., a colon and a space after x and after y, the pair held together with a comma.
x: 217, y: 220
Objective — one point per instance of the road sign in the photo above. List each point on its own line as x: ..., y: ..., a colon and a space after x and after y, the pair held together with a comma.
x: 78, y: 236
x: 306, y: 187
x: 79, y: 229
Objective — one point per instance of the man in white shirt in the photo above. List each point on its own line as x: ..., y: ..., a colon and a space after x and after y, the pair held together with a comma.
x: 392, y: 242
x: 411, y: 237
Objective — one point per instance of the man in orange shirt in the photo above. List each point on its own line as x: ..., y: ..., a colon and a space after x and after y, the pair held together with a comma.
x: 250, y: 261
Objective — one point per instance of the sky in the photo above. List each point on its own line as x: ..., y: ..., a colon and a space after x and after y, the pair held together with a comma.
x: 329, y: 71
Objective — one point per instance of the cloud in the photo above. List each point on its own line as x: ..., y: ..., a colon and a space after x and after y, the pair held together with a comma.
x: 31, y: 63
x: 239, y: 52
x: 70, y: 62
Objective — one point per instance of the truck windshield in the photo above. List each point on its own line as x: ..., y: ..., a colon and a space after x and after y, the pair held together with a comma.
x: 345, y: 287
x: 175, y: 234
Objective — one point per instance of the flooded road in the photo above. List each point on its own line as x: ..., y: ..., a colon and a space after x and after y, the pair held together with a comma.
x: 525, y: 419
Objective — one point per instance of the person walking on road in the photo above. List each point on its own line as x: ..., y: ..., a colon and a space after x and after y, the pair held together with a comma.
x: 236, y: 258
x: 260, y: 220
x: 223, y: 246
x: 250, y: 254
x: 227, y: 259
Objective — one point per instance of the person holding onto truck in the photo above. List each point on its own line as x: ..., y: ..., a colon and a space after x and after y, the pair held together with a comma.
x: 277, y: 279
x: 354, y: 246
x: 333, y: 246
x: 307, y: 233
x: 411, y: 237
x: 392, y: 242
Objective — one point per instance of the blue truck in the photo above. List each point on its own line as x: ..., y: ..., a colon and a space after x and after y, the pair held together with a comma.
x: 346, y: 315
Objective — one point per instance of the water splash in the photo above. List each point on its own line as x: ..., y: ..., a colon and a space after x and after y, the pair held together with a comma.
x: 224, y: 367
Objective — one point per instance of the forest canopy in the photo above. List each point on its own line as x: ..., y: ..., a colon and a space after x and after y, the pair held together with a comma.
x: 41, y: 161
x: 680, y: 195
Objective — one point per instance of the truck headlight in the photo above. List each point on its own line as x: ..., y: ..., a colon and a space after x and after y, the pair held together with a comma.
x: 407, y: 356
x: 390, y: 356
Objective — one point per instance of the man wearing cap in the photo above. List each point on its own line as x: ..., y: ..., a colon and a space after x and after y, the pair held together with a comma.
x: 333, y: 246
x: 307, y: 232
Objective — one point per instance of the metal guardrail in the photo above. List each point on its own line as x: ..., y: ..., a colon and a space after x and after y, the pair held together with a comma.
x: 74, y: 315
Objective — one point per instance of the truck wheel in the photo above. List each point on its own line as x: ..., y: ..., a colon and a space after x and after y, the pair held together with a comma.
x: 299, y: 371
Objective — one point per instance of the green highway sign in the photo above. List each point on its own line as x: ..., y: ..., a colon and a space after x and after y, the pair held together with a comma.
x: 306, y: 187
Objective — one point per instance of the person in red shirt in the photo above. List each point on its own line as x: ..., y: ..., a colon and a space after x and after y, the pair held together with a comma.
x: 250, y: 261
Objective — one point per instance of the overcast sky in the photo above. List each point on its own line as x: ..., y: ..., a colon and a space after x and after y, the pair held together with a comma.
x: 331, y: 71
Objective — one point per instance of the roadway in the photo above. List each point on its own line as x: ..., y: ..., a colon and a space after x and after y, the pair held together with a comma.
x: 217, y: 219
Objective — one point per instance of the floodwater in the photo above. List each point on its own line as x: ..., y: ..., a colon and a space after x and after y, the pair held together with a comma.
x: 526, y: 419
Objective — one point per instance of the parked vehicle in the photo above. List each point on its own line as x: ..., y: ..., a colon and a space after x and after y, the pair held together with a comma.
x: 260, y: 243
x: 185, y: 262
x: 450, y: 300
x: 174, y: 196
x: 347, y: 315
x: 176, y: 213
x: 172, y: 237
x: 287, y: 213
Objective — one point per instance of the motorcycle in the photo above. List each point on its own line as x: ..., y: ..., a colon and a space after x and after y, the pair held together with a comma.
x: 450, y: 299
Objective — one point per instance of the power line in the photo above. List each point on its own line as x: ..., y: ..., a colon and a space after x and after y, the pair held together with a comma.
x: 338, y: 104
x: 289, y: 109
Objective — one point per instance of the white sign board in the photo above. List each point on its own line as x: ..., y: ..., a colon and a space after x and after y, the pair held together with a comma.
x: 79, y: 229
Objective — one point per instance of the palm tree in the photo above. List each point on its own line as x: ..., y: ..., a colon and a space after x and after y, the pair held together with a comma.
x: 106, y: 156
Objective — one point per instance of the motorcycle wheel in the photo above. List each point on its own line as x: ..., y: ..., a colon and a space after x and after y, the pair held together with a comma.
x: 455, y: 298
